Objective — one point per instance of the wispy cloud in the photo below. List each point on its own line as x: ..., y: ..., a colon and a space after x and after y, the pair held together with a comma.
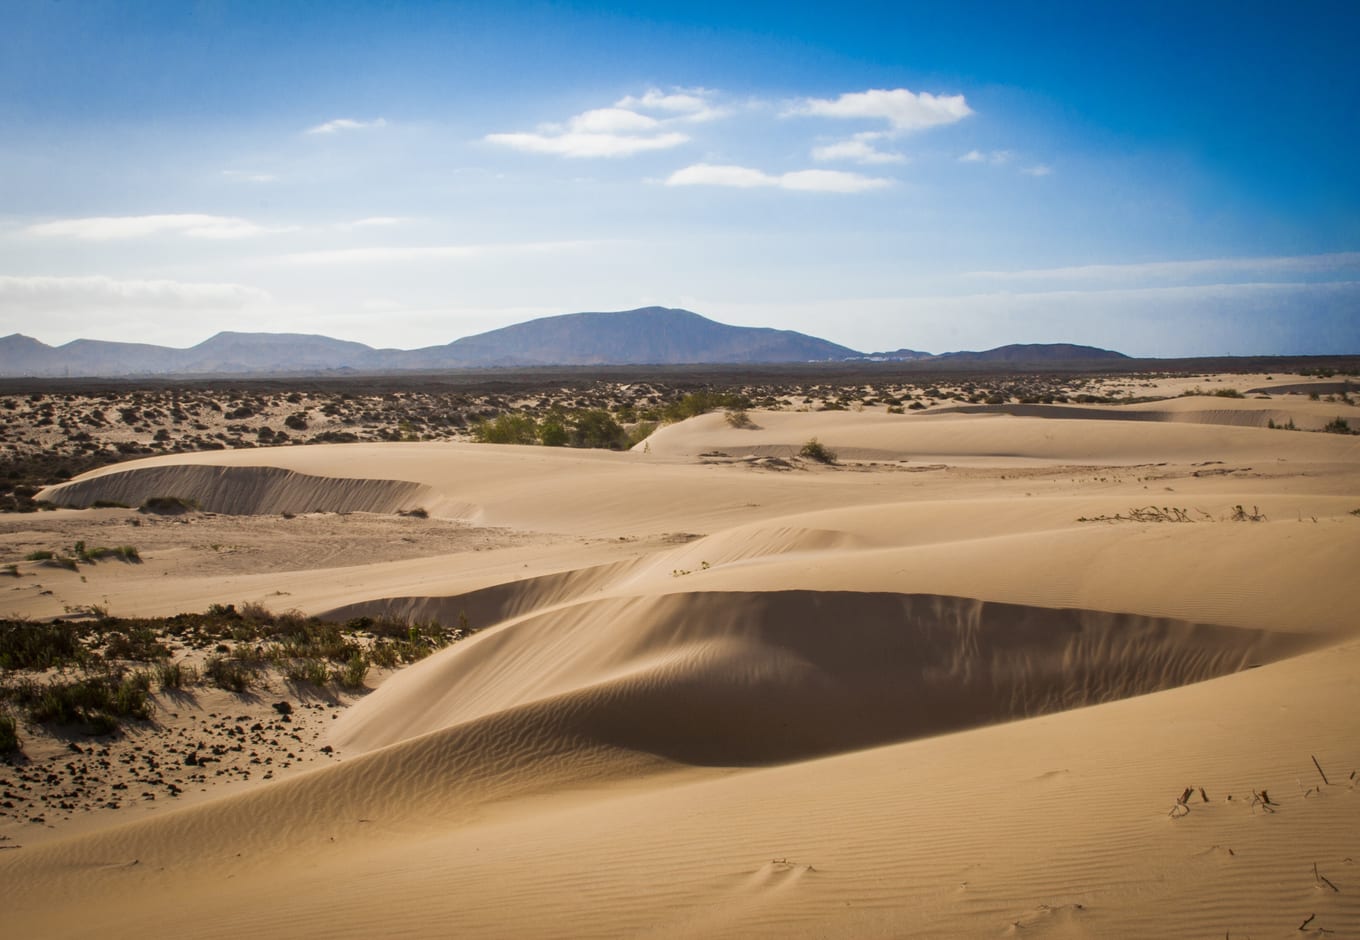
x: 1347, y: 263
x: 345, y: 124
x: 240, y: 176
x: 193, y: 225
x: 826, y: 181
x: 374, y: 221
x: 388, y: 254
x: 904, y: 110
x: 859, y: 149
x: 1039, y: 169
x: 67, y: 293
x: 634, y: 124
x: 994, y: 157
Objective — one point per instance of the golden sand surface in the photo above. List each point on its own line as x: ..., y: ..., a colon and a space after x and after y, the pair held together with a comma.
x: 1014, y: 670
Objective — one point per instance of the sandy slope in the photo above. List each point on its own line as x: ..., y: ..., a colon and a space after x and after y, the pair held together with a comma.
x: 911, y: 695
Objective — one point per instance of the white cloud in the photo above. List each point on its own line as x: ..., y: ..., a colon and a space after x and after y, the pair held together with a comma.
x: 995, y: 157
x: 345, y: 124
x: 1039, y: 169
x: 859, y: 148
x: 45, y: 294
x: 903, y: 109
x: 634, y: 124
x: 108, y: 228
x: 427, y: 252
x: 242, y: 177
x: 692, y: 104
x: 602, y: 132
x: 826, y: 181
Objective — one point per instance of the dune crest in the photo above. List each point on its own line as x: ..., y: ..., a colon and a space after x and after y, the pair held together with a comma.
x: 236, y: 490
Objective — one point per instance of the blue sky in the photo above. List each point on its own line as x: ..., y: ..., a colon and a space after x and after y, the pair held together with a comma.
x: 1163, y: 179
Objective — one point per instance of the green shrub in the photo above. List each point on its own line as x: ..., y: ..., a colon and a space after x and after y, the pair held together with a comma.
x: 351, y: 675
x: 9, y: 733
x: 39, y: 556
x: 816, y: 450
x: 1337, y: 426
x: 597, y: 428
x: 738, y: 418
x: 175, y: 675
x: 126, y: 553
x: 640, y: 432
x: 99, y: 700
x: 1228, y: 393
x: 137, y: 642
x: 553, y: 432
x: 506, y: 429
x: 25, y: 645
x: 307, y: 670
x: 227, y: 674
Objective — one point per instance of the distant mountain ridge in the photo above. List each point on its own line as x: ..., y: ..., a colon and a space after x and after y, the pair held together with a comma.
x: 647, y: 336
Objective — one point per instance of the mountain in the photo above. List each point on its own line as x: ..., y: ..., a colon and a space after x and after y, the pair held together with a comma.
x: 649, y: 336
x: 1032, y: 353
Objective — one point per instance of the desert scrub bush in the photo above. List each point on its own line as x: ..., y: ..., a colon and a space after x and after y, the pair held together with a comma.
x: 506, y: 429
x: 640, y: 432
x: 42, y: 555
x: 351, y: 675
x: 552, y: 431
x: 99, y: 700
x: 169, y: 505
x: 25, y: 645
x: 135, y: 641
x: 127, y: 553
x: 175, y: 675
x: 597, y: 428
x: 702, y: 402
x: 9, y: 733
x: 1228, y: 393
x: 1337, y: 425
x: 313, y: 671
x: 228, y: 674
x: 739, y: 418
x: 816, y: 450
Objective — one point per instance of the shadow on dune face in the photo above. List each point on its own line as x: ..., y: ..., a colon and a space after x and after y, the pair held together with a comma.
x: 238, y: 490
x: 745, y: 678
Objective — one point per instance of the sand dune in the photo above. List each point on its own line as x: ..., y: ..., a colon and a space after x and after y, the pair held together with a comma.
x: 239, y: 490
x: 950, y: 686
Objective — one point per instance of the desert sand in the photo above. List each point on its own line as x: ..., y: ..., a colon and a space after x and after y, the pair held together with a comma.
x: 1000, y: 670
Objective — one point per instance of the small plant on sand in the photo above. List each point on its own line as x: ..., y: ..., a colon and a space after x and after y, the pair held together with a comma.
x: 1240, y: 514
x: 1337, y: 426
x: 1228, y: 393
x: 738, y: 418
x: 816, y: 450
